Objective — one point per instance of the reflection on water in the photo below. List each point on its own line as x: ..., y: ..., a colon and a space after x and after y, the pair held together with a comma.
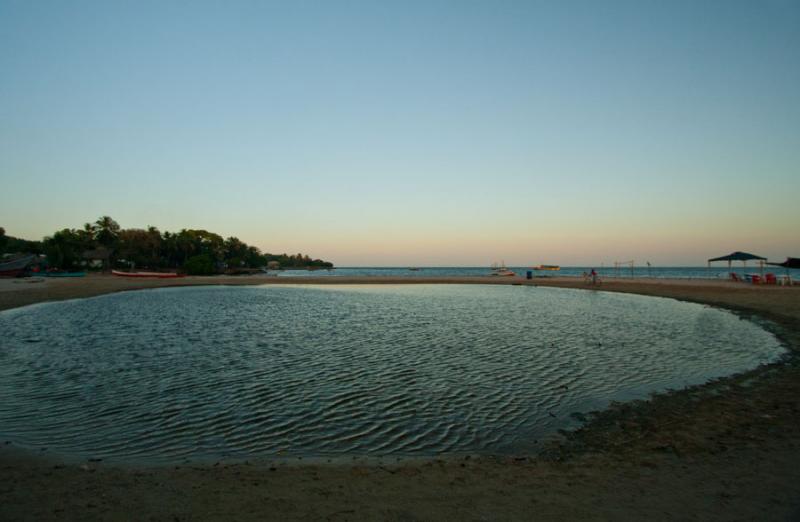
x: 371, y: 370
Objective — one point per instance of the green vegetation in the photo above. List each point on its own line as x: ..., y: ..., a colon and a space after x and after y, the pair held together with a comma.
x: 12, y: 244
x: 195, y: 251
x: 199, y: 265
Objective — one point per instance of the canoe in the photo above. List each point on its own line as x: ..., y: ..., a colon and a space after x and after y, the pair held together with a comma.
x: 16, y: 267
x: 159, y: 275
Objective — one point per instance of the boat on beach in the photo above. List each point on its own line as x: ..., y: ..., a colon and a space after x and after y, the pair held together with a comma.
x: 59, y: 274
x: 501, y: 270
x: 16, y: 267
x: 158, y: 275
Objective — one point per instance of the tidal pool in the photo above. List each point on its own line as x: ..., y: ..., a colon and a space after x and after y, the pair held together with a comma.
x: 284, y: 371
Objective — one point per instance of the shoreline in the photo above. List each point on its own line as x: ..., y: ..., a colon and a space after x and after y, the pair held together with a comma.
x: 19, y: 292
x: 738, y: 436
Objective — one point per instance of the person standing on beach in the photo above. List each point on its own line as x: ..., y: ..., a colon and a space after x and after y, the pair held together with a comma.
x: 594, y: 276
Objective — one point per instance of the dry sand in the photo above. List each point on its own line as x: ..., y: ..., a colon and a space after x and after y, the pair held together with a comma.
x: 727, y: 450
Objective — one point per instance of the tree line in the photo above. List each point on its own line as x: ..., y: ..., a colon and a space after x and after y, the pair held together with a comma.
x: 197, y: 252
x: 11, y: 244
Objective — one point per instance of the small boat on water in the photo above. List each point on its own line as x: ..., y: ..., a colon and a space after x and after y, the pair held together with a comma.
x: 159, y: 275
x: 16, y: 267
x: 501, y: 270
x: 59, y: 274
x: 413, y: 269
x: 551, y: 268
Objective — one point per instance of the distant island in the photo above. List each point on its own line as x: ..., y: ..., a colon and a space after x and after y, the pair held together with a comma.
x: 104, y: 245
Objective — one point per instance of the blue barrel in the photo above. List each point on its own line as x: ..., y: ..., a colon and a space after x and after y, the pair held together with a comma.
x: 529, y: 274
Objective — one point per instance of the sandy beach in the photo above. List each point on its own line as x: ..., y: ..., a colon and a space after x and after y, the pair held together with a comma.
x: 726, y: 450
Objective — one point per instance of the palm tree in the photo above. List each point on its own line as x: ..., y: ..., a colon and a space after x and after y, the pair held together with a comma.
x: 154, y: 244
x: 106, y: 231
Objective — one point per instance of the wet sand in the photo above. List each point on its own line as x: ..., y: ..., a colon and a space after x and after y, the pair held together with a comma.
x: 727, y: 450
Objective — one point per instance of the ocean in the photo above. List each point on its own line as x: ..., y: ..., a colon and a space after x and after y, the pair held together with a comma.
x: 684, y: 272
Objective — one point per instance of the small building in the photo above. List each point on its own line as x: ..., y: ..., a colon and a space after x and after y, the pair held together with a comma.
x: 98, y: 258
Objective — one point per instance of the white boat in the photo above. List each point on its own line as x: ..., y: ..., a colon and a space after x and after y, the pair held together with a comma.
x: 501, y: 270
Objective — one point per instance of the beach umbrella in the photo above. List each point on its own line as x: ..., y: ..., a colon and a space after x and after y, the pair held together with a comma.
x: 791, y: 262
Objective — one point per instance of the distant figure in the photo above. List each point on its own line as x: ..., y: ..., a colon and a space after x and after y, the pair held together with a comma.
x: 593, y: 273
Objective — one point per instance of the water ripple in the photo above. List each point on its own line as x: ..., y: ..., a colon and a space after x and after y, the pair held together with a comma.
x: 200, y: 373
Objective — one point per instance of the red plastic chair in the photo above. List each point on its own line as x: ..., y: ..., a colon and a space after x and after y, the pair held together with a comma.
x: 756, y: 279
x: 735, y: 277
x: 770, y: 279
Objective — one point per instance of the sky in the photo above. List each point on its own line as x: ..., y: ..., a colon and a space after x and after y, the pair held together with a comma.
x: 410, y: 133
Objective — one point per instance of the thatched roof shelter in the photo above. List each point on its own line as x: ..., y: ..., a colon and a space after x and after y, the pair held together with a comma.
x: 101, y: 254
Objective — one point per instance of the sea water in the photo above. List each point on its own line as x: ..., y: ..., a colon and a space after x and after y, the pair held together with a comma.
x: 718, y: 272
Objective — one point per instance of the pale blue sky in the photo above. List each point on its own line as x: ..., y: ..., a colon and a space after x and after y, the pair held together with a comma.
x: 377, y: 133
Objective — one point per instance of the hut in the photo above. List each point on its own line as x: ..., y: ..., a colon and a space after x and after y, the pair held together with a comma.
x: 98, y: 258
